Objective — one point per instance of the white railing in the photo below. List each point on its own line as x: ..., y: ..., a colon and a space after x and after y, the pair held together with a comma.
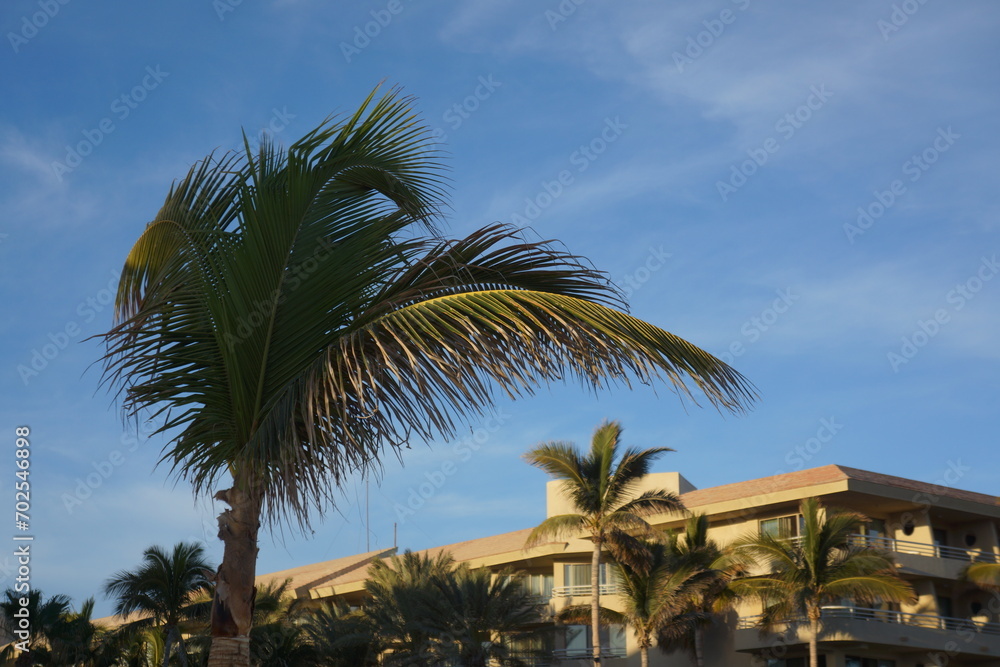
x: 918, y: 548
x: 581, y: 591
x: 932, y: 621
x: 922, y: 549
x: 585, y: 653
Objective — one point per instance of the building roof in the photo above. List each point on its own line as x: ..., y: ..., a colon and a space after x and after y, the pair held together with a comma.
x: 754, y: 489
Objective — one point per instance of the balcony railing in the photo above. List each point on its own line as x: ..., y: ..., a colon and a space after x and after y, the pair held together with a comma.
x: 585, y: 653
x: 888, y: 616
x: 581, y: 591
x: 920, y: 549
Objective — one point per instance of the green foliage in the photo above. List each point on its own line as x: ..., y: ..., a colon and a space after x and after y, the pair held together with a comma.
x: 162, y: 592
x: 601, y: 486
x: 655, y: 596
x: 290, y: 312
x: 822, y: 566
x: 429, y: 611
x: 984, y: 575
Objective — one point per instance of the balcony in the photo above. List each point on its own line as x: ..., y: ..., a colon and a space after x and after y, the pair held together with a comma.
x: 889, y: 616
x: 921, y: 549
x: 880, y: 627
x: 584, y: 591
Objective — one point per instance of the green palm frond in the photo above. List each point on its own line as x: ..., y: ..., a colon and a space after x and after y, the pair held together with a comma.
x: 556, y: 527
x: 984, y: 575
x: 822, y: 566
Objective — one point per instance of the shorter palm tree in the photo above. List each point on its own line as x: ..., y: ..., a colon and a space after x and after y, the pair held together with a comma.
x: 655, y: 598
x: 342, y: 636
x: 399, y: 589
x: 482, y: 616
x: 822, y: 566
x: 47, y: 618
x: 696, y: 550
x: 430, y: 611
x: 602, y: 484
x: 161, y: 591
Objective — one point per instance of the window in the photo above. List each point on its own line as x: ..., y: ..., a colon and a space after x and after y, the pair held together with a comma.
x: 539, y: 584
x: 784, y: 526
x: 874, y: 528
x: 579, y: 574
x: 578, y: 640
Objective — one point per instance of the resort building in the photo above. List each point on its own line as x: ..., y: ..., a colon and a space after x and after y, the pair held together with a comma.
x: 933, y: 532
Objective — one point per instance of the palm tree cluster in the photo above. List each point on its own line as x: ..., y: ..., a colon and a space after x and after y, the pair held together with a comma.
x: 421, y: 612
x: 673, y: 585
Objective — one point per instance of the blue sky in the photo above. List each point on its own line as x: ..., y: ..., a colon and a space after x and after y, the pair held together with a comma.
x: 807, y: 190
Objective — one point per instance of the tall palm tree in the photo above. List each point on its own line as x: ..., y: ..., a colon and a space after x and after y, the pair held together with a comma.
x: 161, y: 590
x: 291, y: 313
x: 601, y: 484
x: 655, y: 598
x: 822, y: 566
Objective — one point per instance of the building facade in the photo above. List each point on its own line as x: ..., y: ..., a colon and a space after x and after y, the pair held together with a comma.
x: 933, y: 532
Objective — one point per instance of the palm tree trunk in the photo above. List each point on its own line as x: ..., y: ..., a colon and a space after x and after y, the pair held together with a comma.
x: 232, y: 607
x: 167, y: 642
x: 595, y: 601
x: 699, y: 646
x: 182, y: 649
x: 644, y: 656
x: 814, y: 614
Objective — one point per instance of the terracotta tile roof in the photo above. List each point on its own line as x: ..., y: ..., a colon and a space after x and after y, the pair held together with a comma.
x: 930, y: 490
x: 819, y: 476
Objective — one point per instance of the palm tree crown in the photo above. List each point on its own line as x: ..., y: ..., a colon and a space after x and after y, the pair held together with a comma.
x: 655, y: 598
x: 601, y: 485
x: 822, y: 566
x: 161, y: 590
x: 292, y: 312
